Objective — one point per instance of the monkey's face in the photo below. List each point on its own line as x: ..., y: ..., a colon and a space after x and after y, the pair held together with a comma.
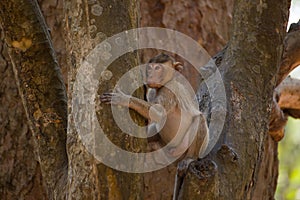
x: 158, y: 74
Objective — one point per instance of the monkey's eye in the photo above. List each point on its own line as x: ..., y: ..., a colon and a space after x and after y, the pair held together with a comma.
x: 157, y: 67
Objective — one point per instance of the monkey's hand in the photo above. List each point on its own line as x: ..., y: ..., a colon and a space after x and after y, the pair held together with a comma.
x: 144, y: 108
x: 115, y: 98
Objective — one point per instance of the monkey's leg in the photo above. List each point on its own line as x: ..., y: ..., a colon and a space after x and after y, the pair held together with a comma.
x: 182, y: 168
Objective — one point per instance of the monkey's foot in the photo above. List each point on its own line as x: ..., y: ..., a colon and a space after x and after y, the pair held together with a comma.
x: 203, y: 169
x: 183, y: 166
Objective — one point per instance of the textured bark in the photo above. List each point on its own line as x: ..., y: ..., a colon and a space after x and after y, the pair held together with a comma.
x: 291, y: 54
x: 285, y: 103
x: 249, y: 69
x: 87, y: 24
x: 41, y: 87
x: 53, y: 13
x: 200, y: 174
x: 20, y: 173
x: 193, y: 18
x: 268, y: 173
x: 289, y: 95
x: 278, y: 121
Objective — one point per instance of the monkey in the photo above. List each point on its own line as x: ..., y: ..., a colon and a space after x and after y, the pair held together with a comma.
x: 159, y: 73
x: 167, y: 113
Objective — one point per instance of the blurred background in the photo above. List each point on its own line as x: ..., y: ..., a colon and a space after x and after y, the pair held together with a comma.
x: 288, y: 187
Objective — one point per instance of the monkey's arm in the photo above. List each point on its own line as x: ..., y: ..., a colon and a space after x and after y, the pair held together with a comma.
x: 152, y: 112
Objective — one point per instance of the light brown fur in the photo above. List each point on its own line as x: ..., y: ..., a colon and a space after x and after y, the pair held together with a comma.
x: 181, y: 115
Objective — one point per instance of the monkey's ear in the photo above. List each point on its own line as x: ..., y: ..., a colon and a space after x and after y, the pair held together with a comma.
x: 178, y: 66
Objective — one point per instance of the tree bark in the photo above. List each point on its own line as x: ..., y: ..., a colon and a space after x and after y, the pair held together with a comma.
x: 291, y: 53
x: 249, y: 67
x: 41, y: 87
x: 53, y: 13
x: 87, y: 24
x: 288, y: 95
x: 20, y: 173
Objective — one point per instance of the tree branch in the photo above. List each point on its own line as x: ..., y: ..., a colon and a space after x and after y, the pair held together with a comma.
x: 277, y: 122
x: 291, y: 54
x: 286, y: 103
x: 289, y: 94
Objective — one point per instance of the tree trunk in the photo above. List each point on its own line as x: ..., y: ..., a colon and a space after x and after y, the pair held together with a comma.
x: 20, y: 174
x: 87, y: 24
x: 249, y: 67
x: 40, y: 85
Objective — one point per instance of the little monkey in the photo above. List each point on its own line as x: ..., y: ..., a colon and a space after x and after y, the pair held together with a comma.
x: 167, y: 113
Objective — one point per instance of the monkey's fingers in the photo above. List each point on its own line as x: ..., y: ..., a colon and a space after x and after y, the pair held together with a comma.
x: 108, y: 94
x: 105, y: 99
